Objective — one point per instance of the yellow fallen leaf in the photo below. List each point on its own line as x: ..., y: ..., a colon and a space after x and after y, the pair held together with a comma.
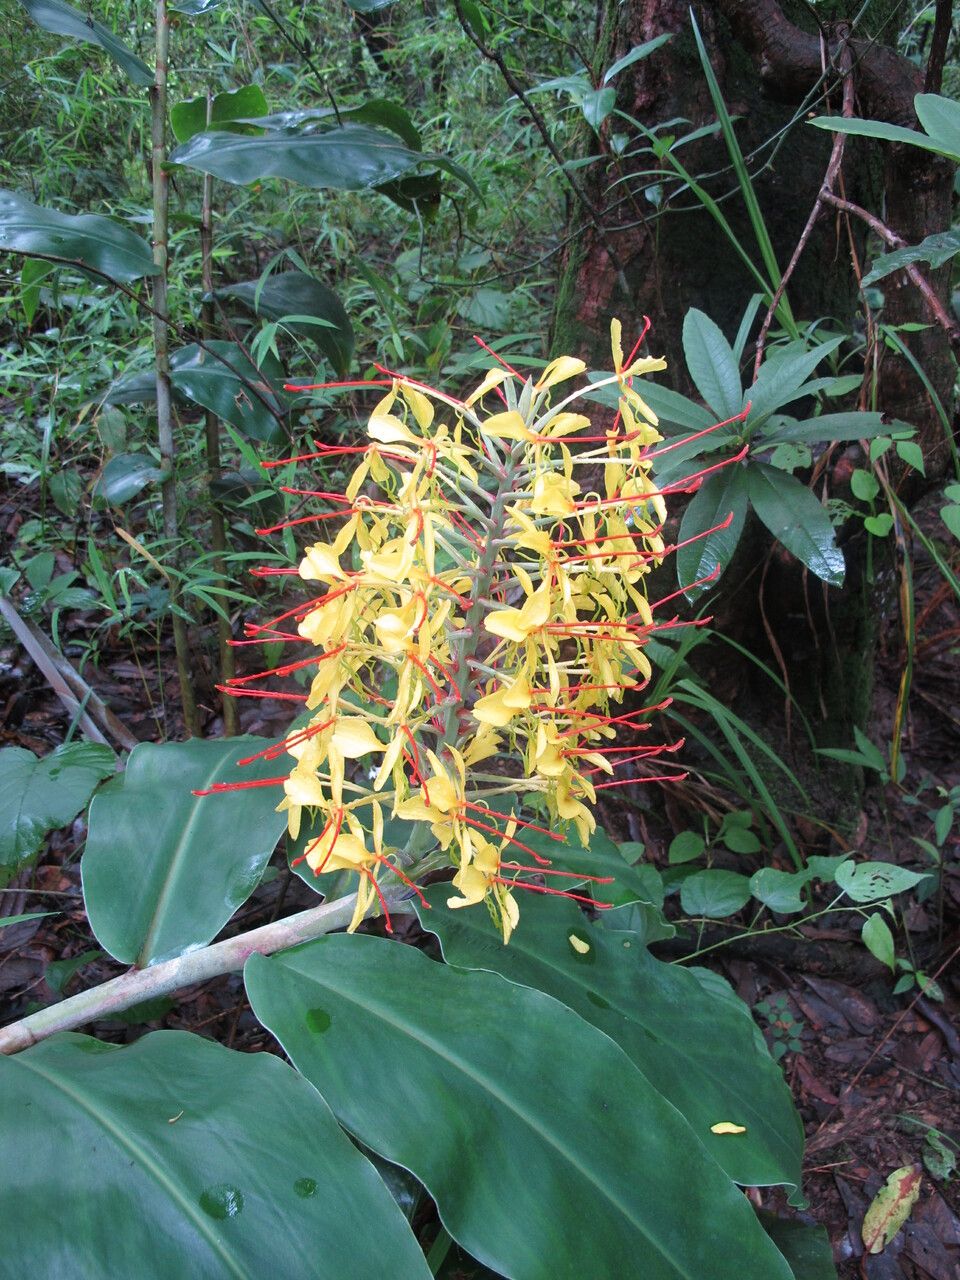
x: 726, y: 1127
x: 891, y: 1208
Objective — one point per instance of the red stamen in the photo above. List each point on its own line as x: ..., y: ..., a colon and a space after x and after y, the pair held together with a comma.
x: 499, y: 359
x: 219, y: 787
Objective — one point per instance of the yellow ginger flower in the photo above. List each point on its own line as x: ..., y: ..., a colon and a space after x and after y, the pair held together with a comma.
x: 478, y: 620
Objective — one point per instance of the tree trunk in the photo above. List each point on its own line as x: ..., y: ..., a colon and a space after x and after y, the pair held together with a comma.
x: 676, y: 256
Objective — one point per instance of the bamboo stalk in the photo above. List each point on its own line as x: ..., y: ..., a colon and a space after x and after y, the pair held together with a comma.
x: 184, y: 971
x: 171, y: 528
x: 218, y: 533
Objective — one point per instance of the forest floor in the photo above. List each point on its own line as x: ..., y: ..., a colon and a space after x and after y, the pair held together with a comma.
x: 878, y: 1075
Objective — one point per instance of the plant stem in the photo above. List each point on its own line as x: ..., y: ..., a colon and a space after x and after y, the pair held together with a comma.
x: 184, y: 971
x: 218, y: 535
x: 158, y: 105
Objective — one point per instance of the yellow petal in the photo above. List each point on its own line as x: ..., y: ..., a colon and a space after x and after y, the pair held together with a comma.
x: 559, y: 370
x: 578, y: 944
x: 492, y: 379
x: 354, y: 738
x: 726, y: 1127
x: 418, y: 402
x: 320, y: 561
x: 616, y: 341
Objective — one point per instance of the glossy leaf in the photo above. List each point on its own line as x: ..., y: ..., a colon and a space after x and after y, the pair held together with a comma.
x: 940, y: 116
x: 711, y: 364
x: 348, y: 158
x: 228, y: 390
x: 99, y: 244
x: 164, y: 870
x: 714, y: 894
x: 62, y: 20
x: 782, y: 377
x: 194, y: 8
x: 37, y: 796
x: 597, y: 105
x: 522, y: 1121
x: 176, y: 1157
x: 125, y: 476
x: 721, y: 495
x: 659, y: 1014
x: 368, y: 6
x: 872, y: 881
x: 796, y: 518
x: 226, y: 109
x: 294, y: 293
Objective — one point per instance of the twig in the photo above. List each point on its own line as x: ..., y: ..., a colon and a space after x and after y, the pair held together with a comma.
x: 541, y: 125
x: 67, y: 683
x: 218, y: 533
x: 917, y: 278
x: 933, y: 79
x: 161, y: 348
x: 829, y: 178
x: 137, y: 985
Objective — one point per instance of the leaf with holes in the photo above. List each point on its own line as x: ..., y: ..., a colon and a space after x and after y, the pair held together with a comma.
x: 164, y: 869
x: 872, y: 881
x: 176, y: 1157
x: 37, y: 796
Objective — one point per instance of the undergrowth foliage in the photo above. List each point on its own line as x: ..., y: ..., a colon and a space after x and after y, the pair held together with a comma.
x: 501, y: 601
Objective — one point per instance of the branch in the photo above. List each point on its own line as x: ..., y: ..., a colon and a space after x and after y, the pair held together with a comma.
x: 174, y: 975
x: 937, y: 310
x: 789, y: 61
x: 513, y: 83
x: 67, y: 683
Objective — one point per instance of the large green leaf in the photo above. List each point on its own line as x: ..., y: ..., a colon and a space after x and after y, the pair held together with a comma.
x: 348, y: 158
x: 781, y: 378
x: 722, y: 494
x: 704, y: 1055
x: 940, y: 117
x: 176, y: 1157
x: 164, y: 870
x: 547, y: 1152
x: 62, y: 20
x: 37, y: 796
x: 795, y: 517
x: 293, y: 293
x: 232, y: 110
x: 890, y: 133
x: 711, y: 364
x: 85, y: 238
x: 226, y: 389
x: 124, y: 476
